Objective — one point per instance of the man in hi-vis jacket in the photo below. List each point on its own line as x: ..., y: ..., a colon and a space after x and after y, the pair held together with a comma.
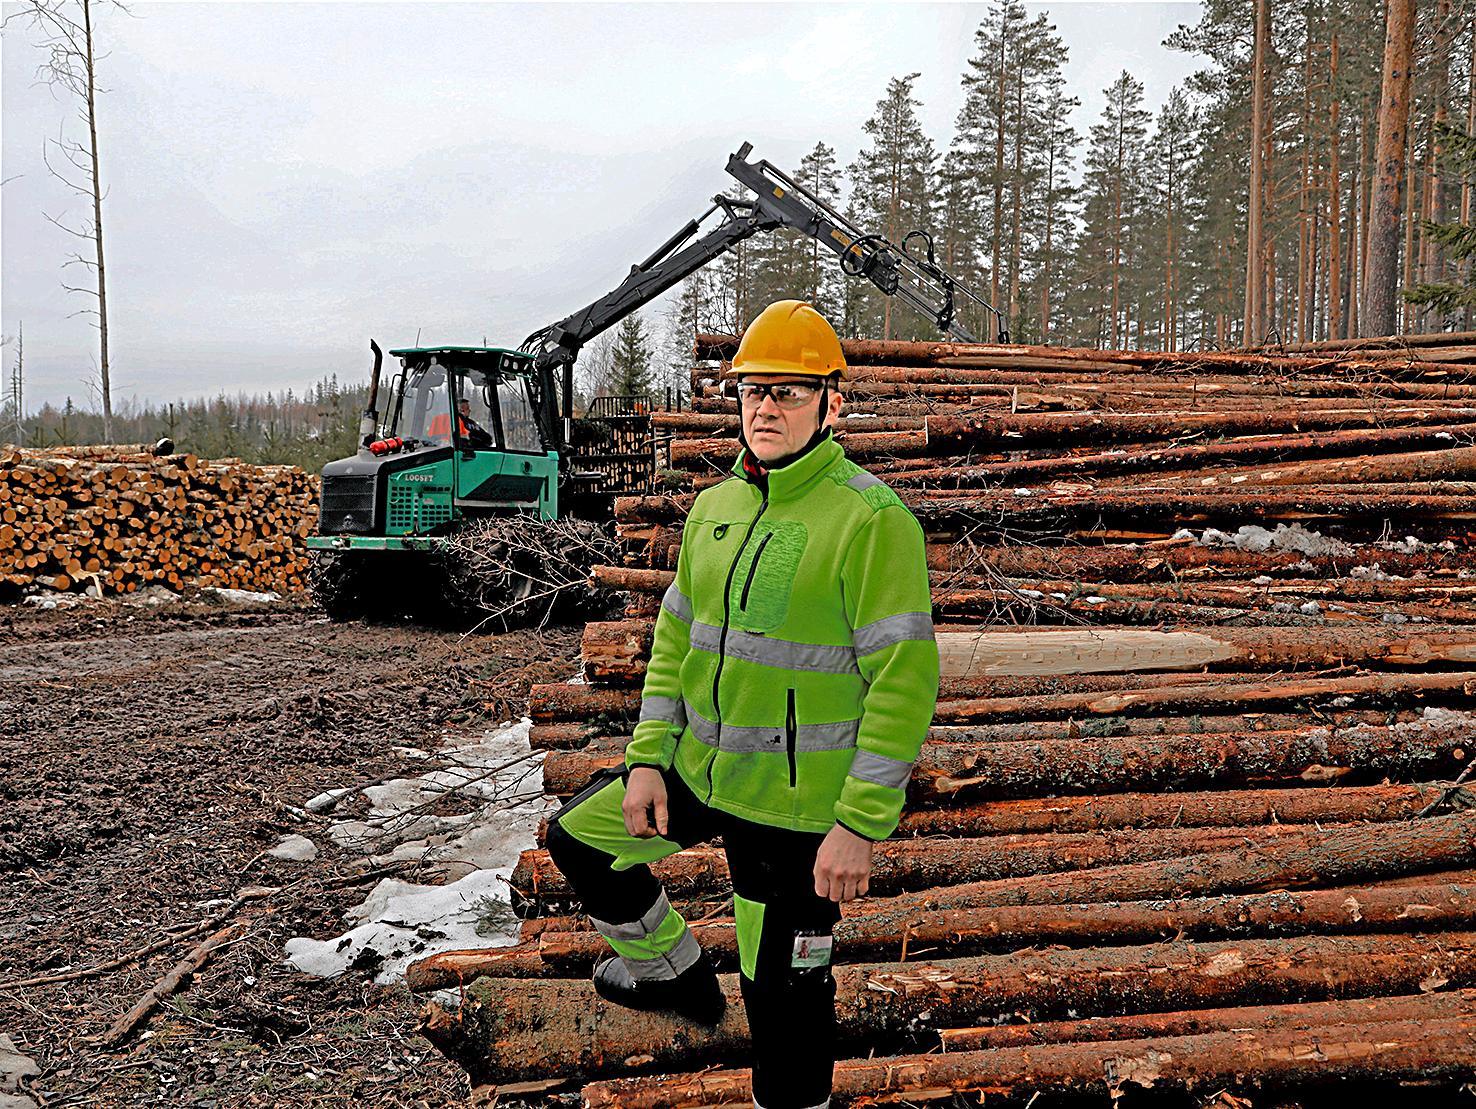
x: 792, y: 679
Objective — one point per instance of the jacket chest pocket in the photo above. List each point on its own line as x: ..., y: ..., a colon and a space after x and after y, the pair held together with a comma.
x: 758, y: 594
x: 715, y: 545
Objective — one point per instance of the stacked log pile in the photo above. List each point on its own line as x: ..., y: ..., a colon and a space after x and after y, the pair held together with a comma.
x: 1191, y: 813
x: 113, y: 519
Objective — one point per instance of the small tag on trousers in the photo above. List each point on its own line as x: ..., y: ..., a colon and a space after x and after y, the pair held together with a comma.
x: 811, y: 951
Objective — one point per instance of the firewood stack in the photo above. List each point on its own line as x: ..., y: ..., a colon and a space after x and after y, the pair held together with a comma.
x: 113, y: 519
x: 1190, y: 814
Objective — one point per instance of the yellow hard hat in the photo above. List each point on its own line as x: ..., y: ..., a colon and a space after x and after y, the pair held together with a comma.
x: 788, y: 337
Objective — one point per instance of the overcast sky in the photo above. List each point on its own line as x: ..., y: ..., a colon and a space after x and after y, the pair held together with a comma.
x: 286, y: 180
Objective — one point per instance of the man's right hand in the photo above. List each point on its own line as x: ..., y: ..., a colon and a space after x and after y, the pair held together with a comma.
x: 644, y: 807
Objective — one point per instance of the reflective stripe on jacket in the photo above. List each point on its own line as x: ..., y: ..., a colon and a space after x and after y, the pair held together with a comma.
x: 794, y: 672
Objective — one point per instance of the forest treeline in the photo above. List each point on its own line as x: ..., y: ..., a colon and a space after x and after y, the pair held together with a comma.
x: 306, y: 429
x: 1245, y: 211
x: 1311, y: 180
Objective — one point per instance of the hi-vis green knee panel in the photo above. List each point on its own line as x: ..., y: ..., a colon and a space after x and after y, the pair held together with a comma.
x: 657, y: 942
x: 749, y: 917
x: 597, y: 821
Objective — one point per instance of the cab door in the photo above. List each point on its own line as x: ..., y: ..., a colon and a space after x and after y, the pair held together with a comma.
x: 514, y: 472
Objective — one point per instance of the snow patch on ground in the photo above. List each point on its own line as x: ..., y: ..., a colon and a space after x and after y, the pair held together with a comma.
x: 295, y: 849
x: 497, y: 782
x: 240, y: 596
x: 15, y: 1069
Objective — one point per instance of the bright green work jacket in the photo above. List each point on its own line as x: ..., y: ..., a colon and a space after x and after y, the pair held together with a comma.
x: 794, y: 671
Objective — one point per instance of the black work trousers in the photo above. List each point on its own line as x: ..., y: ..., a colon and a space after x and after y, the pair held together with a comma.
x: 784, y: 928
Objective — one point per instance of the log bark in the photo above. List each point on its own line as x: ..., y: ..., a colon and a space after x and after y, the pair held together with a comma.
x: 1429, y: 1006
x: 1434, y: 903
x: 1168, y: 561
x: 1434, y: 907
x: 1325, y: 858
x: 619, y: 649
x: 899, y: 866
x: 1031, y: 768
x: 1450, y: 464
x: 452, y: 969
x: 1347, y: 911
x: 563, y: 703
x: 1224, y: 808
x: 1377, y: 688
x: 861, y: 353
x: 514, y: 1028
x: 1113, y: 764
x: 940, y: 510
x: 964, y: 472
x: 949, y: 584
x: 942, y: 435
x: 1421, y: 1050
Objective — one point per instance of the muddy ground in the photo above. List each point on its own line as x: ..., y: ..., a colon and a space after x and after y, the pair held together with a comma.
x: 147, y: 760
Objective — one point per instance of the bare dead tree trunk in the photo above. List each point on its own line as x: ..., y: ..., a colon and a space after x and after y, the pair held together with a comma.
x: 1380, y: 300
x: 72, y: 65
x: 1168, y: 263
x: 106, y: 381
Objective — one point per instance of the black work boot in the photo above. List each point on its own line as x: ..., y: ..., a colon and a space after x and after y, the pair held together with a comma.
x: 694, y: 993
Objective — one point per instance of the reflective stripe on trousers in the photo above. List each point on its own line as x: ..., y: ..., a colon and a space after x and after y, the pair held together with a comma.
x: 657, y: 947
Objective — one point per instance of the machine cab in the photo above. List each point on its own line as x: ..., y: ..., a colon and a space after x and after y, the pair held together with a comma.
x: 479, y: 402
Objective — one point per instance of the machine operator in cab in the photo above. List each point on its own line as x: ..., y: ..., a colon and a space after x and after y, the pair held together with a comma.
x: 793, y: 675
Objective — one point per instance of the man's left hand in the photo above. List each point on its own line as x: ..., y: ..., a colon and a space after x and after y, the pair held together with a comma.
x: 843, y: 866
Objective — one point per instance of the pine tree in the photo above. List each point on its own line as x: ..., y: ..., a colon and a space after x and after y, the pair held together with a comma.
x: 819, y: 276
x: 1057, y: 198
x: 891, y: 194
x: 1005, y: 186
x: 631, y: 365
x: 1114, y: 166
x: 787, y: 265
x: 1173, y: 143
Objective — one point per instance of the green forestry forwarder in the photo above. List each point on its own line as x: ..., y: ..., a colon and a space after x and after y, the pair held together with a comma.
x: 478, y: 431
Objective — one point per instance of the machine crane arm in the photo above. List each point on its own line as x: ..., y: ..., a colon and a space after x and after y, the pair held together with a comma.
x: 777, y: 201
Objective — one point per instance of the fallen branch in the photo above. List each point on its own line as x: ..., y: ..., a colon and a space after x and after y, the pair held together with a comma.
x: 177, y: 976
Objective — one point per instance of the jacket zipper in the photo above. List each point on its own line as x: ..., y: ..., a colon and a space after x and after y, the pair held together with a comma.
x: 753, y: 566
x: 791, y: 734
x: 717, y: 677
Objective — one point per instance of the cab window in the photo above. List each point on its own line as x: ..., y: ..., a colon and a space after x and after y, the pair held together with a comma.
x: 519, y: 428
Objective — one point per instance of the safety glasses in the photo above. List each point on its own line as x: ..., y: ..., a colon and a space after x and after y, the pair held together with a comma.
x: 786, y: 394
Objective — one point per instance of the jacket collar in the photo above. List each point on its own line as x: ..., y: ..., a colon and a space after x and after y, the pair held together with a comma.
x: 791, y: 481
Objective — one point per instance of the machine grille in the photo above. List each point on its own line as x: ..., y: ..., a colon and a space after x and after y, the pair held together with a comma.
x: 418, y: 509
x: 347, y: 505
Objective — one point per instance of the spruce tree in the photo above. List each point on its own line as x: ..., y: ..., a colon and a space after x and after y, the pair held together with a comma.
x: 631, y: 361
x: 1458, y: 293
x: 1114, y: 166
